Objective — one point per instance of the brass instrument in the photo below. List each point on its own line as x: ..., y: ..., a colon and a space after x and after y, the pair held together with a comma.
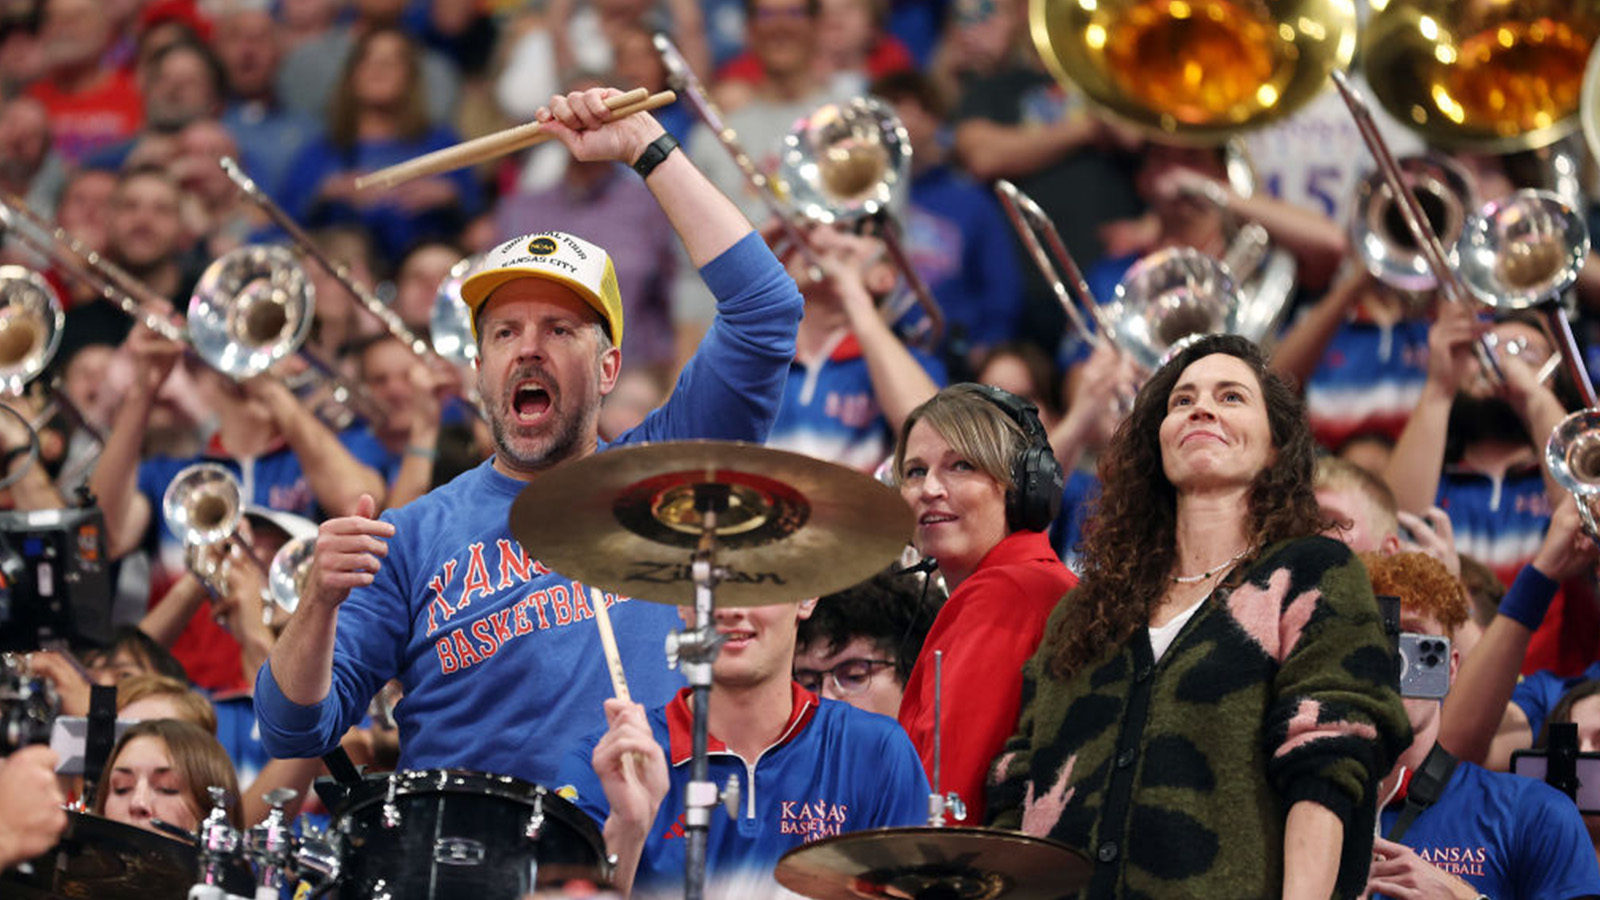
x: 450, y: 321
x: 31, y: 319
x: 1589, y: 103
x: 846, y: 162
x: 365, y: 298
x: 1490, y: 77
x: 1170, y: 297
x: 202, y: 507
x: 286, y: 576
x: 1195, y: 71
x: 1522, y: 252
x: 1378, y: 231
x: 840, y: 164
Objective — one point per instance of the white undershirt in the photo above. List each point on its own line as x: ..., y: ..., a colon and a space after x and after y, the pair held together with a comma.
x: 1161, y: 638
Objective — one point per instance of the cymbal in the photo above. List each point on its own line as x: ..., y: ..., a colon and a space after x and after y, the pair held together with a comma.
x: 947, y: 863
x: 98, y: 859
x: 795, y: 526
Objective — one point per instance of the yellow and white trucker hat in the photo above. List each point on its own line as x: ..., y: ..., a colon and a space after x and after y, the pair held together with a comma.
x: 556, y: 256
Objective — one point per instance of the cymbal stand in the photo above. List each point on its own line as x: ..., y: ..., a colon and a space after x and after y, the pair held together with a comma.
x: 694, y: 651
x: 940, y: 802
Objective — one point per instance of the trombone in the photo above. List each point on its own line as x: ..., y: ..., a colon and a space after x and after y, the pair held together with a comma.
x: 841, y: 164
x: 364, y: 296
x: 274, y: 295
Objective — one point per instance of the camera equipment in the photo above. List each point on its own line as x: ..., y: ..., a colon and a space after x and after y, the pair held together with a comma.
x: 1560, y: 765
x: 55, y: 584
x: 27, y: 706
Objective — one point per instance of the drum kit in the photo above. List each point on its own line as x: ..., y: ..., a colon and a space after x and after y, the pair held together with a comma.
x: 705, y: 524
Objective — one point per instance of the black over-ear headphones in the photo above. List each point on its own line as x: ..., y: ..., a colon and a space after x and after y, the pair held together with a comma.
x: 1036, y: 498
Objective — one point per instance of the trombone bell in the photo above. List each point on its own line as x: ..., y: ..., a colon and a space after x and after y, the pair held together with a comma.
x: 252, y: 307
x: 202, y: 505
x: 845, y: 161
x: 31, y: 320
x: 1522, y: 250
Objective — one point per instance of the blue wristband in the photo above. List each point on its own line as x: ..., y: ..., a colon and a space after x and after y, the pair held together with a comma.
x: 1529, y: 597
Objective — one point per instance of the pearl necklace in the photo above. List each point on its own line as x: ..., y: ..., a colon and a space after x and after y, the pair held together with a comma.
x: 1196, y: 579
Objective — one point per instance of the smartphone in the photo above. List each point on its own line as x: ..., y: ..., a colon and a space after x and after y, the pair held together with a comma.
x: 69, y: 739
x: 1536, y: 763
x: 1424, y: 666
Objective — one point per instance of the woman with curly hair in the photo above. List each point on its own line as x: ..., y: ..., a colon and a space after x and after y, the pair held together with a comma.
x: 1212, y: 706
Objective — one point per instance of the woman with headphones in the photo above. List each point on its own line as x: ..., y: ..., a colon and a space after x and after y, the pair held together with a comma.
x: 974, y: 464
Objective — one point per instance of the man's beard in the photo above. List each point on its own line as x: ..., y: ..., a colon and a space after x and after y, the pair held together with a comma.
x: 1474, y: 419
x: 557, y: 445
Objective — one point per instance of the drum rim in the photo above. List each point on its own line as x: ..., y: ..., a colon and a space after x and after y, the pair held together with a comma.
x: 421, y: 782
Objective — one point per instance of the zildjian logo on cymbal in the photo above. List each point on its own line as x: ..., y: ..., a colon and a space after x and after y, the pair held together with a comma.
x: 651, y: 572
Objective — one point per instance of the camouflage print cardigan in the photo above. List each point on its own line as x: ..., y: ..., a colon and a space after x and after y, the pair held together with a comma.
x: 1176, y: 777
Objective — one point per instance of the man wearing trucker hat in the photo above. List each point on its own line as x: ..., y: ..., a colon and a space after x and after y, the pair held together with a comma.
x: 502, y: 669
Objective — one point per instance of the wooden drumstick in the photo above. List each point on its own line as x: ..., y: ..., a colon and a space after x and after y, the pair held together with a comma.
x: 619, y: 678
x: 500, y: 143
x: 608, y: 641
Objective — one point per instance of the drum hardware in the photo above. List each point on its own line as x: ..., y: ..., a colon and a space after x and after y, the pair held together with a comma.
x: 939, y: 801
x: 270, y: 845
x: 219, y: 845
x: 752, y: 522
x: 391, y: 812
x: 365, y: 298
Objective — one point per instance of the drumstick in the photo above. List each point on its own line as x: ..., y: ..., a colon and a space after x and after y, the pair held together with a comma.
x: 498, y: 144
x: 608, y: 641
x: 619, y: 678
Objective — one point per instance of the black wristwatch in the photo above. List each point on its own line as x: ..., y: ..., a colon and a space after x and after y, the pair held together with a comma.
x: 654, y: 154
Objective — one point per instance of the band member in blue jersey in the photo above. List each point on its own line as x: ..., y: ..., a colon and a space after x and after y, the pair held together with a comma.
x: 806, y: 768
x: 500, y: 669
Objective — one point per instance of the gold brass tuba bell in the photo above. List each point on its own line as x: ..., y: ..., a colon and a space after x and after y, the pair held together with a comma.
x: 1490, y: 77
x: 1196, y: 71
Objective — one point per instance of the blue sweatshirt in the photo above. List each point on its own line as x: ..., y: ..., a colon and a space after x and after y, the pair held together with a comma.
x: 501, y: 668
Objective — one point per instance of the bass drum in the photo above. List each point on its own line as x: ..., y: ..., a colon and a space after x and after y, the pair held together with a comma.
x: 448, y: 833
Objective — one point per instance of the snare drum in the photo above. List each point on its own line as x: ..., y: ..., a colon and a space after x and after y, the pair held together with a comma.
x: 447, y: 833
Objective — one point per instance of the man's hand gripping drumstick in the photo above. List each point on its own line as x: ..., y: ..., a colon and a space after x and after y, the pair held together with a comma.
x: 631, y: 767
x: 350, y: 551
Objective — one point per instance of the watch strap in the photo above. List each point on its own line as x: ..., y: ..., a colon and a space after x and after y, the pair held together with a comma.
x: 654, y: 154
